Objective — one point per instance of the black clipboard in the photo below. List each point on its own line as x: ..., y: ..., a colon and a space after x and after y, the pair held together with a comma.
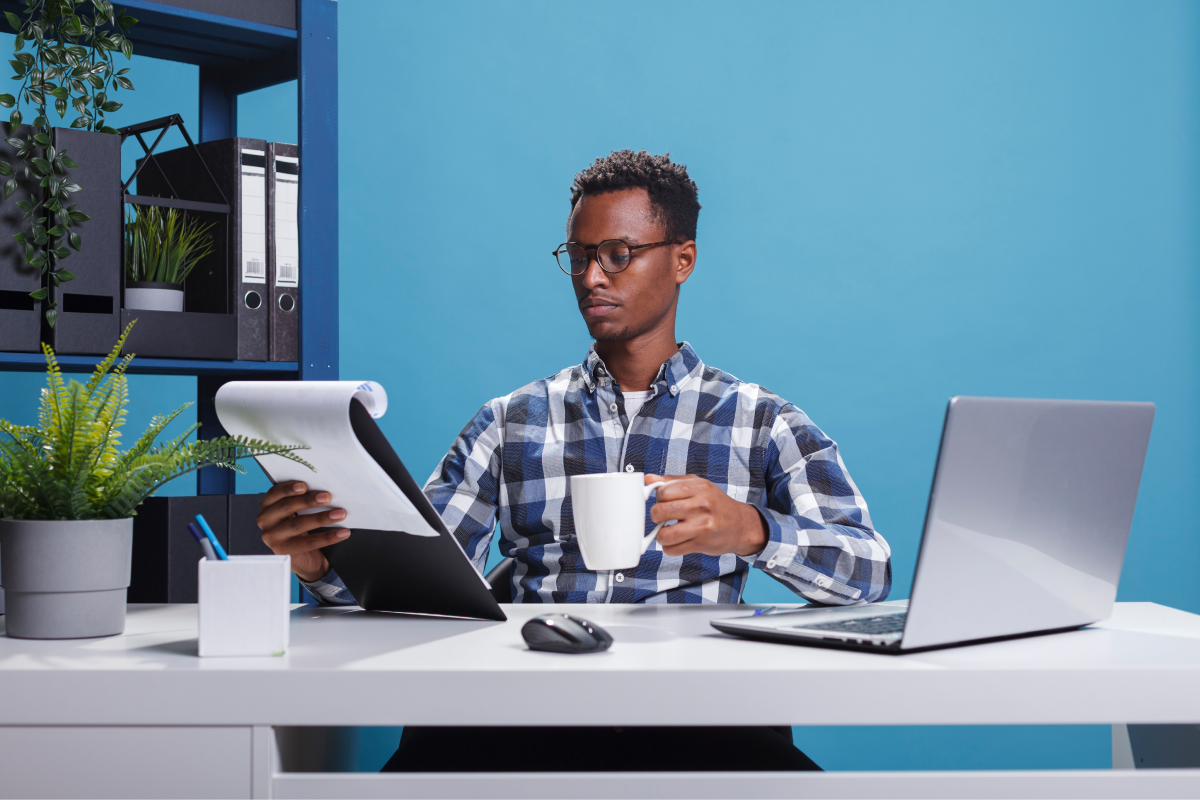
x: 396, y: 571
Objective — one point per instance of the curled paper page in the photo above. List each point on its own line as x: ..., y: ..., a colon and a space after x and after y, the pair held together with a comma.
x: 317, y: 414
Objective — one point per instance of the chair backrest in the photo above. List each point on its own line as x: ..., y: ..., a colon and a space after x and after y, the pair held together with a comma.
x: 500, y: 579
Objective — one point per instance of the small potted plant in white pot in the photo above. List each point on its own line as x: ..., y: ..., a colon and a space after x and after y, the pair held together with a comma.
x: 161, y: 249
x: 68, y: 496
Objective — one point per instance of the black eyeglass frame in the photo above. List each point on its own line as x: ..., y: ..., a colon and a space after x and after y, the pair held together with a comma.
x: 600, y: 261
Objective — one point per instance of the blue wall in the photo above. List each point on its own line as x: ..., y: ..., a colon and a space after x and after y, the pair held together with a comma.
x: 901, y: 202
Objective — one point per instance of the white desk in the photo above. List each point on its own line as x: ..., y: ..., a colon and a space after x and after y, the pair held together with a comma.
x: 116, y: 715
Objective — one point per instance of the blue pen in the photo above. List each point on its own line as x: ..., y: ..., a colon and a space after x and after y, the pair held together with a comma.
x: 202, y: 540
x: 212, y: 537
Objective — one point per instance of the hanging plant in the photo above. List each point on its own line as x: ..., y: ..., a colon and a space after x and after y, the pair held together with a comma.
x: 70, y: 64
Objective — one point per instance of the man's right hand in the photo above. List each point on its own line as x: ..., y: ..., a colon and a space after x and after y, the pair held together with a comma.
x: 286, y: 532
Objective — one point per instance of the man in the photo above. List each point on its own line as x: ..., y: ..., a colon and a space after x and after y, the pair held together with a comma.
x: 753, y: 482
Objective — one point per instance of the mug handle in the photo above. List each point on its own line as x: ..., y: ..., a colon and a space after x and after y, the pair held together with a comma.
x: 646, y: 490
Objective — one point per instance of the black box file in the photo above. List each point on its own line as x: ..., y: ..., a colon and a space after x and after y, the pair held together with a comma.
x: 89, y: 306
x: 245, y: 538
x: 165, y: 553
x: 283, y: 250
x: 20, y: 314
x: 234, y: 279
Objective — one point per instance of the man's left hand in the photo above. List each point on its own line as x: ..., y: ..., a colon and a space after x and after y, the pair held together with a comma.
x: 710, y: 521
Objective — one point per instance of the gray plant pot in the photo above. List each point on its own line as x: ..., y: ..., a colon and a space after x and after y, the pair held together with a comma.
x: 65, y: 579
x: 153, y: 296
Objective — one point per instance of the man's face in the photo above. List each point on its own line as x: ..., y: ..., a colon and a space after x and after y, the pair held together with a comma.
x: 622, y: 306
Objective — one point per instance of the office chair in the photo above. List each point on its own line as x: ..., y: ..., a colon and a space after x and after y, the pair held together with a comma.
x: 500, y: 579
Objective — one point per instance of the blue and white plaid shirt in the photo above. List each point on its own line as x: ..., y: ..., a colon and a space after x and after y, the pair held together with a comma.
x: 514, y: 458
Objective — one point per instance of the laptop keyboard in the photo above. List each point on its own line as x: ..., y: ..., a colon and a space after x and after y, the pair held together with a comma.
x: 886, y: 623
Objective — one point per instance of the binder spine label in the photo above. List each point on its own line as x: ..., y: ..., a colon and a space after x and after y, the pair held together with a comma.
x: 287, y: 236
x: 254, y: 216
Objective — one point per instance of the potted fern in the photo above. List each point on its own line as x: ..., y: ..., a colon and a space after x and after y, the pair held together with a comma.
x: 161, y: 250
x: 68, y: 495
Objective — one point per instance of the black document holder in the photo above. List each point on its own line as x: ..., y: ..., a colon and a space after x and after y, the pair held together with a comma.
x: 396, y: 571
x: 179, y: 172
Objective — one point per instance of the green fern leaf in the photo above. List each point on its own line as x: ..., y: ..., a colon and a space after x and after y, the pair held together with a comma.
x: 157, y: 425
x: 104, y: 366
x: 70, y: 466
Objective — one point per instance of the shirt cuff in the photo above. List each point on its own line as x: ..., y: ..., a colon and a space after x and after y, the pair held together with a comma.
x: 330, y: 591
x: 779, y: 559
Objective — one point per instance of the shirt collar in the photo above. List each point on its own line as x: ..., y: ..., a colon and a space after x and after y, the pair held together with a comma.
x: 672, y: 374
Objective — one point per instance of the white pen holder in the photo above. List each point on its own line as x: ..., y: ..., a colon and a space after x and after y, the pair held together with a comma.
x: 244, y: 606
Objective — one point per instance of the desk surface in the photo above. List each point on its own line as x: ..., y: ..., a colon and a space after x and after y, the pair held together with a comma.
x: 667, y: 666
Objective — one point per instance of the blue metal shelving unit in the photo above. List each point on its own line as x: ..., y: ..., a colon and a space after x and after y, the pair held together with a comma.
x: 236, y: 56
x: 257, y: 370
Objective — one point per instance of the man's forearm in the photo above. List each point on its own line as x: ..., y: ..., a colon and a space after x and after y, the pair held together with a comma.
x: 329, y: 590
x: 826, y: 562
x: 755, y: 533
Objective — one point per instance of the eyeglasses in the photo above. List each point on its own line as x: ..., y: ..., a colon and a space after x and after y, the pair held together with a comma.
x: 614, y: 255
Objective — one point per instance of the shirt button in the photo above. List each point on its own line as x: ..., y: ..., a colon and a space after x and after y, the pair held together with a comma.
x: 629, y: 467
x: 823, y: 582
x: 771, y: 564
x: 613, y: 408
x: 674, y: 390
x: 620, y: 576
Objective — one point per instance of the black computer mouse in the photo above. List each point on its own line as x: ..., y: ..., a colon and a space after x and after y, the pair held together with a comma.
x: 560, y: 633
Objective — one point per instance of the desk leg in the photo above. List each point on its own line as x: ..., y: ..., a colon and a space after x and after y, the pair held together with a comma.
x: 264, y: 760
x: 1122, y: 753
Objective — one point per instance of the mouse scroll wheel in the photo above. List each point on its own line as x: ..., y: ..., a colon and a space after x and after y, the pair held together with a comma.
x: 583, y: 623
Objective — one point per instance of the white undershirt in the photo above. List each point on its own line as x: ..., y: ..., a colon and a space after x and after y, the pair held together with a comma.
x: 634, y: 402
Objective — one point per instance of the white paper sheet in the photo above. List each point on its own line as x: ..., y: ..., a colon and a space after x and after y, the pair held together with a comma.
x: 317, y: 414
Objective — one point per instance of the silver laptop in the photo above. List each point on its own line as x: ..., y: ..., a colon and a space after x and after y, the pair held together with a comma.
x: 1025, y: 531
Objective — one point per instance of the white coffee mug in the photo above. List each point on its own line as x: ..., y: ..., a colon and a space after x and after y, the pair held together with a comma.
x: 610, y: 518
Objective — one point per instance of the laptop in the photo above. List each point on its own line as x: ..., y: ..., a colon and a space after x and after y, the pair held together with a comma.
x: 1025, y: 531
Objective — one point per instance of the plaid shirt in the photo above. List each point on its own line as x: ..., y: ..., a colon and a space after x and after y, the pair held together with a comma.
x: 514, y: 458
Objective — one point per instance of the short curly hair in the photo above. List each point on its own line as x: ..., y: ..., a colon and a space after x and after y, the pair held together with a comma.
x: 672, y: 192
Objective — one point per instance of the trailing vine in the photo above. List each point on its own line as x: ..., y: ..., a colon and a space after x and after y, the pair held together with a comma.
x: 70, y: 62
